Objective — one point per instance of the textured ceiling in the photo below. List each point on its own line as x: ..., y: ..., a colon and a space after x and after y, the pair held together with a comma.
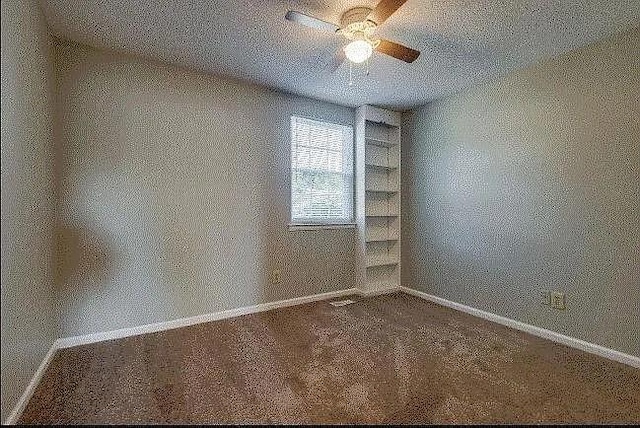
x: 462, y: 42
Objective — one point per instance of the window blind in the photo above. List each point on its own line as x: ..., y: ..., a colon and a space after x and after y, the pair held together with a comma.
x: 321, y: 172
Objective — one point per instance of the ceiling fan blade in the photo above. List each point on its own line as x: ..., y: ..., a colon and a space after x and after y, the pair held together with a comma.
x: 310, y: 21
x: 337, y: 60
x: 397, y: 51
x: 384, y: 9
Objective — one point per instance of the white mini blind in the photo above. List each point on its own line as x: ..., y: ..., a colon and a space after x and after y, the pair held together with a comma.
x: 321, y: 172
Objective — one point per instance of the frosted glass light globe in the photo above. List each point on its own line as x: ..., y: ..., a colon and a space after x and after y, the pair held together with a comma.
x: 358, y: 51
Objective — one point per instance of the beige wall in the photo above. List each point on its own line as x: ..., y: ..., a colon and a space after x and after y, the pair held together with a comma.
x: 533, y: 183
x: 28, y: 319
x: 175, y: 195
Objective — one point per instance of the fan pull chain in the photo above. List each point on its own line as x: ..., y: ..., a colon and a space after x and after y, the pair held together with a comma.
x: 368, y: 66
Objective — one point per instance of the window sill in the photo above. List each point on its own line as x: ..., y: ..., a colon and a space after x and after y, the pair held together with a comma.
x: 321, y: 226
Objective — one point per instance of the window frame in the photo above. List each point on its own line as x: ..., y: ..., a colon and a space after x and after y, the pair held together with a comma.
x: 307, y: 224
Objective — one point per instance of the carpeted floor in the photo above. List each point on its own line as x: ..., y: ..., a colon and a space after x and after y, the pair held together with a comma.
x: 386, y: 359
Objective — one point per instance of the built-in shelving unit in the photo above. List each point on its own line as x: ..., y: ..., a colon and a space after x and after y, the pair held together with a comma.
x: 378, y: 199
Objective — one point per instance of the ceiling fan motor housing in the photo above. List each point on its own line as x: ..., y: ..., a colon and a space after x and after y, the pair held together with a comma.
x: 357, y: 14
x: 355, y: 26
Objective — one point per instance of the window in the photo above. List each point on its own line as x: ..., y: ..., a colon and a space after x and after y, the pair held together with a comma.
x: 321, y: 172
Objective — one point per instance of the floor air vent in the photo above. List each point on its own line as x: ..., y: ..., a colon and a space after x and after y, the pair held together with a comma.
x: 342, y: 302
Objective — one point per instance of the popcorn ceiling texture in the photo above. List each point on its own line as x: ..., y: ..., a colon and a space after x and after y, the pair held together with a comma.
x: 387, y: 359
x: 462, y: 42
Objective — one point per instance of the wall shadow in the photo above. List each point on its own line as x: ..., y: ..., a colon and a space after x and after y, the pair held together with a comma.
x: 82, y: 256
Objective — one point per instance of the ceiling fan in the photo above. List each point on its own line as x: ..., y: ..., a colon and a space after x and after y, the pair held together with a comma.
x: 358, y: 25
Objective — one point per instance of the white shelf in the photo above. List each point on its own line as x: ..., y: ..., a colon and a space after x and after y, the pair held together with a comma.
x: 381, y: 239
x: 382, y: 190
x: 373, y: 261
x: 375, y: 165
x: 381, y: 285
x: 380, y: 143
x: 378, y: 195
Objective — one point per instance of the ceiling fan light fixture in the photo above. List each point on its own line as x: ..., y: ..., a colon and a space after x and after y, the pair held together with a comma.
x: 358, y: 51
x: 358, y: 25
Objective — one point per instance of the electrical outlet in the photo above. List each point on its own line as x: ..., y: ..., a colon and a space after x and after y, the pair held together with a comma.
x: 276, y: 276
x: 545, y: 298
x: 557, y: 300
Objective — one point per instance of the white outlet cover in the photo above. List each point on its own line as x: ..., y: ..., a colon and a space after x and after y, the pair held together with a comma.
x: 557, y: 300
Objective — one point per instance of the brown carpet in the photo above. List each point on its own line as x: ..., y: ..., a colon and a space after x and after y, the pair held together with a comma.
x: 387, y: 359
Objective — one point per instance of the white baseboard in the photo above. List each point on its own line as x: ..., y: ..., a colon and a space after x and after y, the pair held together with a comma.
x: 13, y: 417
x: 67, y: 342
x: 592, y: 348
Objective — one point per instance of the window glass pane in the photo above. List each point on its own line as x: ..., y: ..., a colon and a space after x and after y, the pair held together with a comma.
x: 321, y: 172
